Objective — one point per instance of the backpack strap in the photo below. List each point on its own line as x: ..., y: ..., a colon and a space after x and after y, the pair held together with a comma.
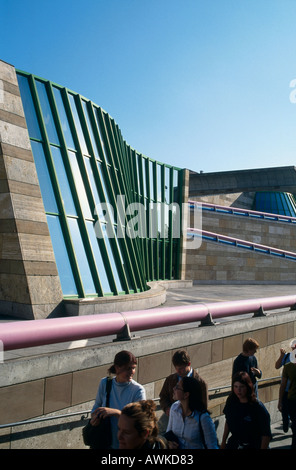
x: 198, y: 419
x: 108, y: 390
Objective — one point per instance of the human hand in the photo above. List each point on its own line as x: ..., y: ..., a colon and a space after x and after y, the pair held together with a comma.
x: 256, y: 371
x: 172, y: 445
x: 102, y: 413
x: 167, y: 411
x: 95, y: 417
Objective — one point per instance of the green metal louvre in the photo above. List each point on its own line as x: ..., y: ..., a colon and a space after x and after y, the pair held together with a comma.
x: 82, y: 161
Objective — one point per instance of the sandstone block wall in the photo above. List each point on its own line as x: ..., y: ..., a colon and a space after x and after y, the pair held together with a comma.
x: 222, y: 263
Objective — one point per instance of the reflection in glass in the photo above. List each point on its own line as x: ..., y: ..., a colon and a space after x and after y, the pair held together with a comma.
x: 138, y: 189
x: 47, y: 114
x: 102, y: 178
x: 159, y: 183
x: 144, y: 176
x: 93, y: 186
x: 151, y: 177
x: 98, y: 257
x: 29, y: 109
x: 80, y: 186
x: 78, y: 125
x: 63, y: 118
x: 61, y: 256
x: 167, y: 186
x: 176, y: 186
x: 48, y: 196
x: 90, y: 129
x: 101, y: 137
x: 82, y: 260
x: 111, y: 258
x: 63, y: 181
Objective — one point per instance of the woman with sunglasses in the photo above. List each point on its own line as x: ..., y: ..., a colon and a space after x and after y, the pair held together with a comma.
x: 190, y: 425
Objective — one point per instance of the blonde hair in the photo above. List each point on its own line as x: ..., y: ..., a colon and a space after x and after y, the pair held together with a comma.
x: 250, y: 344
x: 144, y: 416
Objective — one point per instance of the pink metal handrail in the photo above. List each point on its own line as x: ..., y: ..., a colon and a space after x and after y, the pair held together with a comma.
x: 24, y: 334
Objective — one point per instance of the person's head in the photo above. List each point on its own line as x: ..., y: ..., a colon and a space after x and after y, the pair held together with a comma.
x: 293, y: 344
x: 124, y: 366
x: 181, y: 362
x: 189, y: 389
x: 137, y: 424
x: 250, y: 347
x: 242, y: 387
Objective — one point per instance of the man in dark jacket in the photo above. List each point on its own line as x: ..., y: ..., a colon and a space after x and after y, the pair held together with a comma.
x: 246, y: 361
x: 182, y: 364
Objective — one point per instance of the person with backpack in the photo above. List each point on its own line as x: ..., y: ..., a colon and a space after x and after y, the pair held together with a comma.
x: 190, y: 425
x: 284, y: 358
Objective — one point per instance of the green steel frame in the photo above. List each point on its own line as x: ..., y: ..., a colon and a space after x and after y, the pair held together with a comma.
x: 100, y: 166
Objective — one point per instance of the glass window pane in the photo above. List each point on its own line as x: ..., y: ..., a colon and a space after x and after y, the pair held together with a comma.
x: 47, y: 192
x: 78, y: 125
x: 144, y: 176
x: 63, y: 181
x: 98, y: 210
x: 102, y: 176
x: 151, y: 176
x: 82, y: 260
x: 167, y: 186
x: 159, y: 184
x: 91, y: 133
x: 29, y: 109
x: 63, y: 118
x: 138, y: 187
x: 98, y: 257
x: 61, y: 256
x: 176, y: 186
x: 80, y: 186
x: 101, y: 137
x: 111, y: 258
x: 47, y: 114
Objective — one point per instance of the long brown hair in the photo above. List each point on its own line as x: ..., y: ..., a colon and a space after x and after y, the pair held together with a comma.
x: 244, y: 379
x: 121, y: 359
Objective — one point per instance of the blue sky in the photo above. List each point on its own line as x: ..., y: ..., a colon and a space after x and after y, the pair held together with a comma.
x: 201, y: 84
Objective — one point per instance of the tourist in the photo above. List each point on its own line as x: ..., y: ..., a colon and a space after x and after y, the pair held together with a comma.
x: 190, y: 425
x: 124, y: 390
x: 247, y: 361
x: 284, y: 358
x: 289, y: 375
x: 137, y: 426
x: 182, y: 365
x: 246, y: 418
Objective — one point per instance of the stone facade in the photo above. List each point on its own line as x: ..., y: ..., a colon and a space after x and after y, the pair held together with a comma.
x: 222, y: 263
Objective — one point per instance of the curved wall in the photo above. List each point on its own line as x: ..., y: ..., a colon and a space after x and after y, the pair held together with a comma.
x: 107, y: 206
